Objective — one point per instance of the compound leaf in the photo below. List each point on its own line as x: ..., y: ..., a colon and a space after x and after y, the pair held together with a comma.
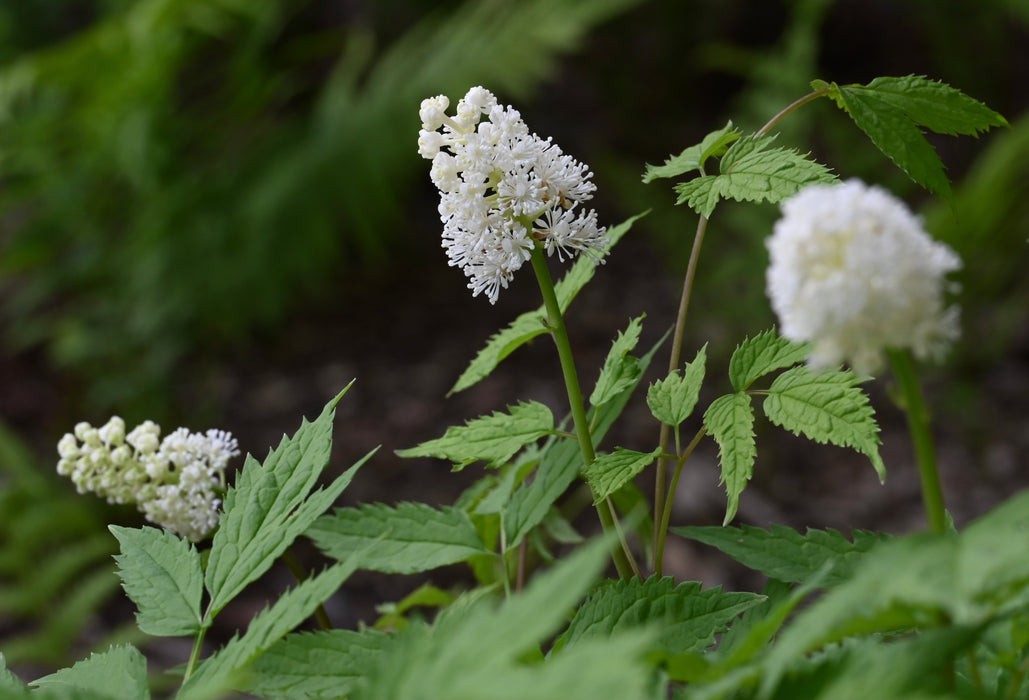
x: 271, y: 505
x: 752, y: 170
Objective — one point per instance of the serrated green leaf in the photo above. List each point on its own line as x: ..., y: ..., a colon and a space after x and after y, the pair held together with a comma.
x: 762, y: 354
x: 10, y: 685
x: 730, y: 420
x: 610, y: 472
x: 115, y: 674
x: 411, y: 537
x: 826, y: 406
x: 693, y: 158
x: 753, y: 171
x: 475, y: 650
x: 620, y: 369
x: 530, y: 324
x: 783, y: 553
x: 890, y: 111
x: 560, y: 462
x: 161, y: 574
x: 229, y: 664
x: 270, y: 506
x: 925, y: 580
x: 319, y: 665
x: 672, y: 399
x: 687, y: 617
x: 493, y: 439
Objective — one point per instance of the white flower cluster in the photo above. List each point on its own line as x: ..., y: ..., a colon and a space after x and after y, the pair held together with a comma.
x: 502, y: 189
x: 174, y: 482
x: 854, y: 272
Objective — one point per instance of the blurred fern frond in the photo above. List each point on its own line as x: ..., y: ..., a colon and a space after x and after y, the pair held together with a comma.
x: 180, y: 173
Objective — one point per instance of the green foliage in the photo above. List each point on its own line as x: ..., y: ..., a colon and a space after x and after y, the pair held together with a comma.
x: 161, y: 574
x: 687, y: 616
x: 620, y: 370
x: 610, y: 472
x: 229, y: 664
x: 693, y: 157
x: 117, y: 673
x: 156, y: 160
x: 751, y: 170
x: 477, y: 650
x: 560, y: 463
x: 826, y: 406
x: 891, y: 110
x: 409, y: 538
x: 764, y: 353
x: 783, y: 553
x: 493, y: 439
x: 672, y: 399
x: 530, y: 324
x: 275, y: 507
x: 327, y: 664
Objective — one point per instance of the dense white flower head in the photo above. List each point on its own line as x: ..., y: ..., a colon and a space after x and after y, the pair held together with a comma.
x: 853, y: 271
x: 503, y: 189
x: 174, y: 482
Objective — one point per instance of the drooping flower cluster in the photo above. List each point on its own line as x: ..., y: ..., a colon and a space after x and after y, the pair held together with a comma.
x: 174, y: 482
x: 502, y: 189
x: 854, y: 272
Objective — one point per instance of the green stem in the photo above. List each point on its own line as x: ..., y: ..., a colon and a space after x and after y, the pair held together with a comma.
x: 791, y: 107
x: 291, y: 561
x: 661, y: 471
x: 194, y: 655
x: 556, y: 324
x: 921, y: 437
x: 666, y: 514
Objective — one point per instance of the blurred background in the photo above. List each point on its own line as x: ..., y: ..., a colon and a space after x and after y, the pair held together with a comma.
x: 213, y: 214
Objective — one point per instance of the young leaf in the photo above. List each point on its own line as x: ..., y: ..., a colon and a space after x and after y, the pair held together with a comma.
x: 270, y: 506
x: 730, y: 420
x: 826, y: 406
x: 161, y: 574
x: 890, y: 111
x: 530, y: 324
x: 672, y: 399
x: 268, y: 627
x: 688, y: 618
x: 119, y: 672
x: 783, y: 553
x: 326, y: 664
x: 493, y: 439
x: 412, y: 537
x: 560, y: 463
x: 693, y: 158
x: 753, y: 171
x: 764, y: 353
x: 611, y: 472
x: 620, y: 369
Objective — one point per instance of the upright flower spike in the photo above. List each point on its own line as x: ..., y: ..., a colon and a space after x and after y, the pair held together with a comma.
x: 174, y: 482
x: 853, y: 271
x: 502, y: 190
